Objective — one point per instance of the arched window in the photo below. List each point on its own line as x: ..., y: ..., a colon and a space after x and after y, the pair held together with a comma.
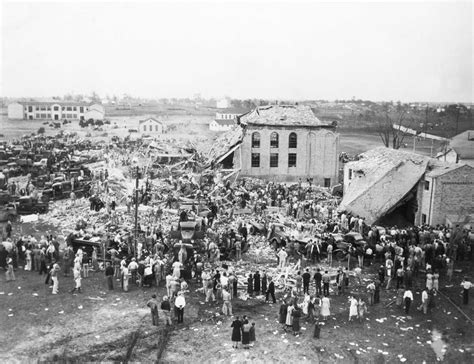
x: 292, y: 140
x: 274, y: 140
x: 255, y: 140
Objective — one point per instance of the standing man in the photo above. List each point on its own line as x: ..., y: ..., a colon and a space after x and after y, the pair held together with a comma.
x: 109, y: 276
x: 424, y: 301
x: 271, y: 290
x: 318, y: 278
x: 306, y: 280
x: 408, y: 299
x: 166, y: 309
x: 329, y: 251
x: 326, y: 279
x: 153, y: 304
x: 282, y: 255
x: 77, y: 276
x: 179, y: 305
x: 466, y: 285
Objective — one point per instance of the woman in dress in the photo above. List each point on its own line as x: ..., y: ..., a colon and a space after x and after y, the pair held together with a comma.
x: 250, y: 285
x: 246, y: 334
x: 325, y: 307
x: 353, y: 308
x: 236, y: 332
x: 289, y: 316
x: 252, y: 334
x: 296, y: 320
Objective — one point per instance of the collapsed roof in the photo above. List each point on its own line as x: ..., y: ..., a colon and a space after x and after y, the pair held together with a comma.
x: 382, y: 177
x: 225, y: 143
x: 283, y: 115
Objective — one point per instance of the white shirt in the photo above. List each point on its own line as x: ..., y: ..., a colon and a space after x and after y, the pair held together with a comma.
x: 408, y: 294
x: 466, y: 284
x: 180, y: 302
x: 424, y: 296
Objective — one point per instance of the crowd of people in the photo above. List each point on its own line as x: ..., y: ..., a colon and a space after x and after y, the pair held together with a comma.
x: 403, y: 259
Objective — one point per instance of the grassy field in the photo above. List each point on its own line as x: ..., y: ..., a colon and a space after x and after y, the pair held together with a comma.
x: 197, y: 127
x: 102, y: 325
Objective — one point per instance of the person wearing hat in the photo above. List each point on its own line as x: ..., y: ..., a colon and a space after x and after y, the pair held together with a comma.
x: 153, y: 304
x: 466, y: 285
x: 179, y: 305
x: 166, y: 309
x: 10, y: 274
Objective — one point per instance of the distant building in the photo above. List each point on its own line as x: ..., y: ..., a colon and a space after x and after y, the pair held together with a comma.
x: 226, y: 118
x: 95, y: 111
x: 460, y: 149
x: 53, y: 110
x: 281, y: 143
x: 151, y: 126
x: 395, y: 187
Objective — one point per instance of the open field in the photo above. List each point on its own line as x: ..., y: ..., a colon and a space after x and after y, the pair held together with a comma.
x: 101, y: 325
x: 194, y: 127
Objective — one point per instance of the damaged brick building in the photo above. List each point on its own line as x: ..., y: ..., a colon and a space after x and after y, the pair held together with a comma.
x: 396, y: 187
x: 282, y: 143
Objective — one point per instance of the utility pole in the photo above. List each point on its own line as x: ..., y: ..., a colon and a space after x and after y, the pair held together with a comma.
x: 136, y: 213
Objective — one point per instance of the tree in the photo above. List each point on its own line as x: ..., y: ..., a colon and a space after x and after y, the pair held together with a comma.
x: 391, y: 123
x: 41, y: 131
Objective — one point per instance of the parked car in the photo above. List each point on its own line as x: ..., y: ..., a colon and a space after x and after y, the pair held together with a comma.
x: 8, y: 213
x: 28, y: 205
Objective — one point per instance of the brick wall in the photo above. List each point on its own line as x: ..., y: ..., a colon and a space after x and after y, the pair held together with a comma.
x: 453, y: 195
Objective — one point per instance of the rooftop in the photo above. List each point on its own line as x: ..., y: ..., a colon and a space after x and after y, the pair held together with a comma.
x: 463, y: 144
x: 441, y: 169
x: 146, y: 119
x: 53, y: 102
x: 284, y: 115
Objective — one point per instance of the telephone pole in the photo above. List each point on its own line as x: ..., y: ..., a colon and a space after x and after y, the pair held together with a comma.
x: 136, y: 213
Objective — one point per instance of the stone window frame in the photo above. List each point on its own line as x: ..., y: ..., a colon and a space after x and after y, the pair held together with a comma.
x: 292, y: 140
x: 292, y: 160
x: 274, y: 140
x: 273, y: 160
x: 256, y: 139
x: 255, y: 160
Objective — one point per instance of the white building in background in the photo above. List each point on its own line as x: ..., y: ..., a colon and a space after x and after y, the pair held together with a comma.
x: 96, y: 112
x: 151, y: 126
x: 54, y: 110
x: 226, y: 118
x: 221, y: 125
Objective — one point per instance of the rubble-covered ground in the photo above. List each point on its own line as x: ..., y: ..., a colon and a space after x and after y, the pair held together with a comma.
x: 101, y: 325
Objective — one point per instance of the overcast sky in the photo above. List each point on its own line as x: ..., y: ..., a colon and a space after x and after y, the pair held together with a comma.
x: 378, y: 51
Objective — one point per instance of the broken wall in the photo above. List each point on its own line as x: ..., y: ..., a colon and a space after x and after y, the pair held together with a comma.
x: 373, y: 198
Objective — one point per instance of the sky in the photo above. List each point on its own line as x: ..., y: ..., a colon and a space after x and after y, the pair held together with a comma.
x: 255, y: 49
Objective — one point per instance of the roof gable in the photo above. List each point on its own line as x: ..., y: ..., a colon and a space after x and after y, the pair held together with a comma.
x: 151, y: 119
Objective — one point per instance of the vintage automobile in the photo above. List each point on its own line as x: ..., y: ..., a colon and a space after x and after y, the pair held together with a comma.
x: 8, y: 212
x: 187, y: 230
x: 28, y: 205
x: 63, y: 189
x: 279, y: 235
x: 347, y: 244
